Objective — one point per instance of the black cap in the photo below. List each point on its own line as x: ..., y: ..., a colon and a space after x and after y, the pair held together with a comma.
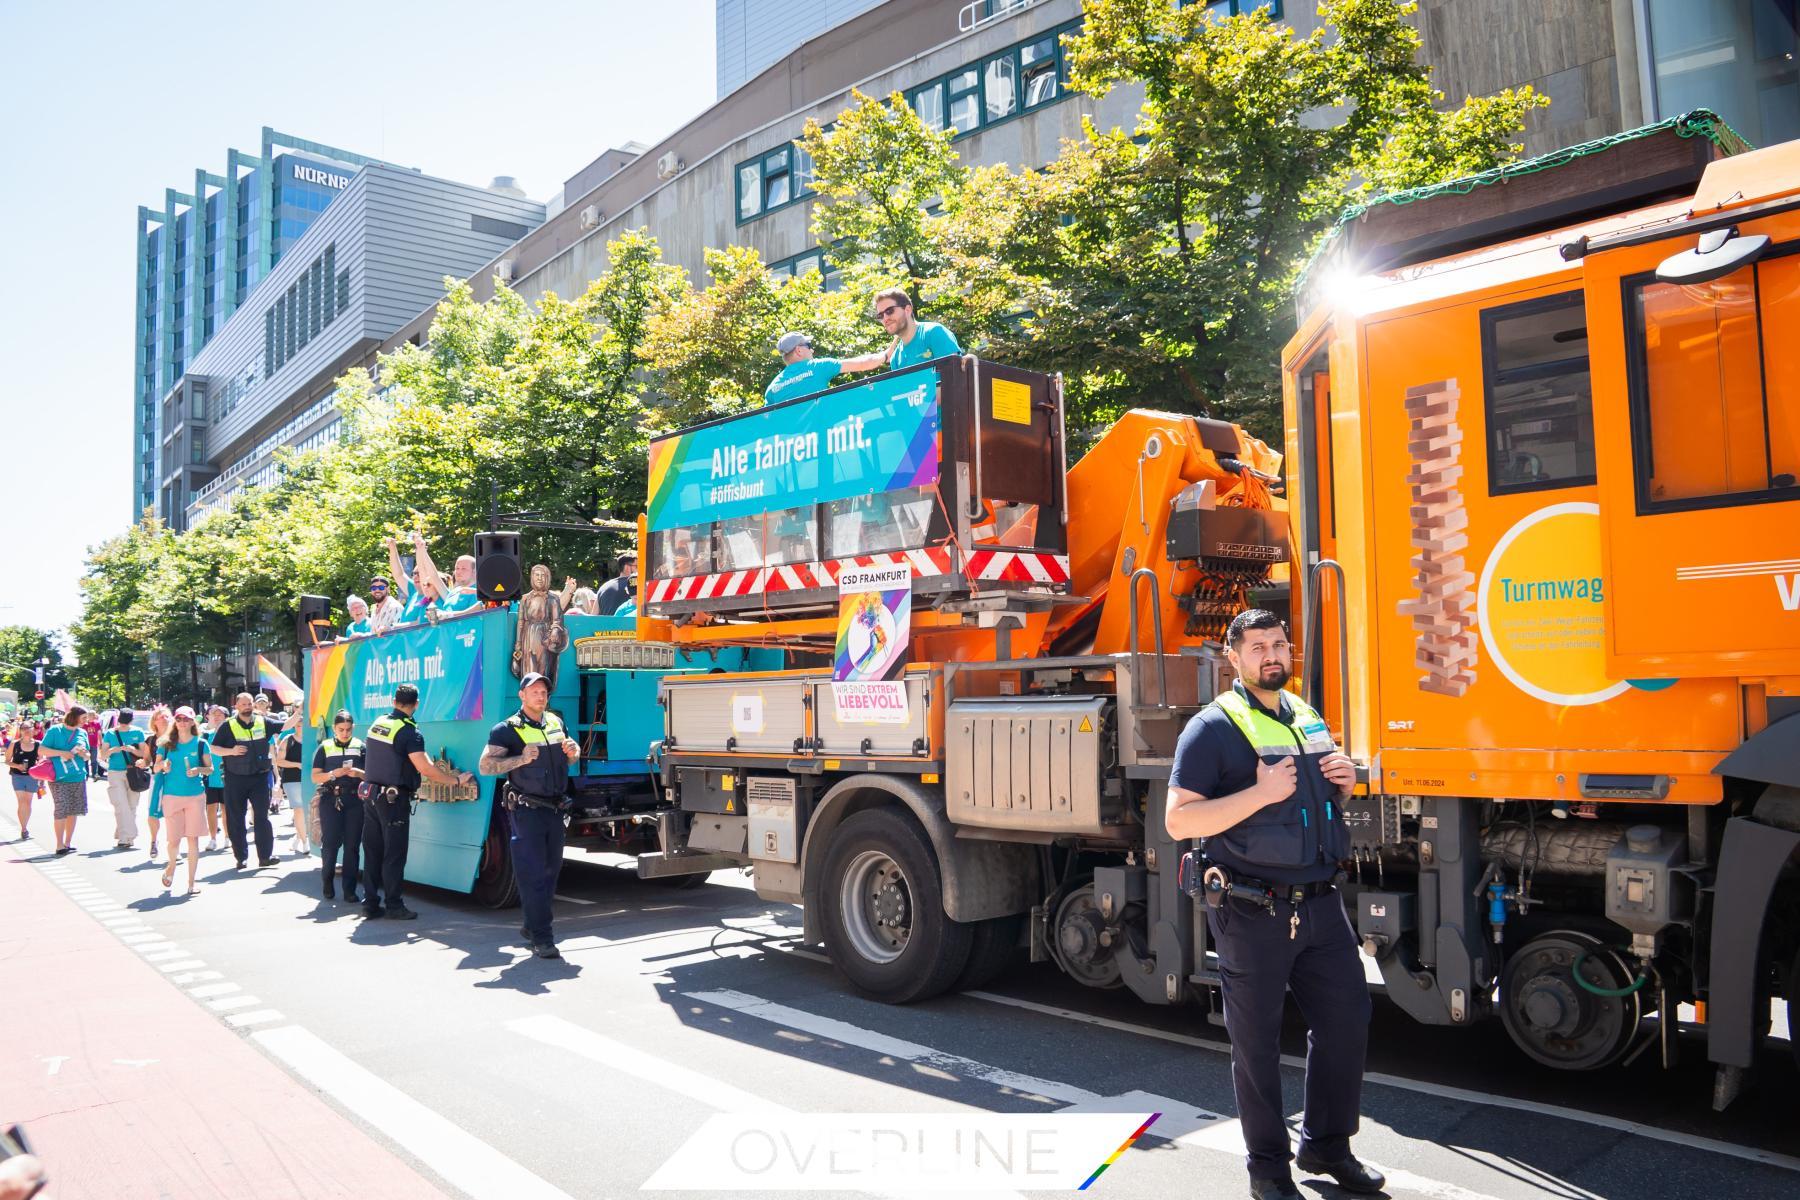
x: 531, y: 678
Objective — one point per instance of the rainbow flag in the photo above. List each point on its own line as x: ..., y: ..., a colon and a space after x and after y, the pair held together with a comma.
x: 271, y: 680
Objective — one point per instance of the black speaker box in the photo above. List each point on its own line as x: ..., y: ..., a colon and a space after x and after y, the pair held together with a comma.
x: 497, y: 566
x: 313, y: 610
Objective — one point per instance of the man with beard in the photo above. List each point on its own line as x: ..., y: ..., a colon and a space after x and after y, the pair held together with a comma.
x: 1259, y: 780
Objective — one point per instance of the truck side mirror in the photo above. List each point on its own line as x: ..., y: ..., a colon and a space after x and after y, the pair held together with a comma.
x: 1720, y: 252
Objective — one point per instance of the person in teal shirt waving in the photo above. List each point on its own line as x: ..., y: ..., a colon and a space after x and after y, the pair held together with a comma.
x: 915, y: 341
x: 802, y: 374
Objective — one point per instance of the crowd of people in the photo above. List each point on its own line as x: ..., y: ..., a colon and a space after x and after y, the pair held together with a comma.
x: 187, y: 768
x: 430, y: 596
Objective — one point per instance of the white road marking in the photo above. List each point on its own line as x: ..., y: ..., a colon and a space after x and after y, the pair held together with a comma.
x: 465, y: 1163
x: 703, y: 1089
x: 574, y: 899
x: 213, y: 989
x: 231, y: 1002
x: 261, y: 1016
x: 131, y: 938
x: 56, y: 1061
x: 194, y: 977
x: 186, y: 964
x: 135, y: 1062
x: 1442, y: 1091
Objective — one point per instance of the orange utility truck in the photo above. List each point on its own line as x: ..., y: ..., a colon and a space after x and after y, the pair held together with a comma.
x: 1548, y: 422
x: 1540, y: 529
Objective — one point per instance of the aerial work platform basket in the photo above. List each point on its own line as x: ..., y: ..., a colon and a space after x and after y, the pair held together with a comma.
x: 953, y: 472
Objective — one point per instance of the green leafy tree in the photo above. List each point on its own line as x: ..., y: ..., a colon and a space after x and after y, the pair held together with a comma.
x: 713, y: 348
x: 1156, y: 265
x: 21, y: 646
x: 114, y: 663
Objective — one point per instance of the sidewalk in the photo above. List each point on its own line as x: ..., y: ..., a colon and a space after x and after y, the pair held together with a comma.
x: 128, y: 1088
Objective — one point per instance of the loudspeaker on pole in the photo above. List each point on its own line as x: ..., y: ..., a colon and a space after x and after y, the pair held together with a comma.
x: 497, y: 576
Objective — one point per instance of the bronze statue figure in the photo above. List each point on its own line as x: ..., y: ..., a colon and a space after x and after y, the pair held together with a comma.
x: 541, y: 636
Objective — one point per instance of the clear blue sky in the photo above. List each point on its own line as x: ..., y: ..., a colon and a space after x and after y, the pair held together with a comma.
x: 108, y: 103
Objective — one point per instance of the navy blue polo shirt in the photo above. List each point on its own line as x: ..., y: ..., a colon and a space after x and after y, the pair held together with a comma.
x: 1214, y: 759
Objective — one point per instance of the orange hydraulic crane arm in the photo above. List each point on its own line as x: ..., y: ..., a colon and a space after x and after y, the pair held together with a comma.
x: 1122, y: 495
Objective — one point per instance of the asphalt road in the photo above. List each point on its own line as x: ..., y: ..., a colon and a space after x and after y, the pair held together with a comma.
x: 501, y: 1075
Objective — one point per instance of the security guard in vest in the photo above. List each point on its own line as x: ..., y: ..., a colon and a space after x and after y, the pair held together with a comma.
x: 394, y: 761
x: 1258, y: 778
x: 243, y: 744
x: 533, y: 750
x: 337, y: 767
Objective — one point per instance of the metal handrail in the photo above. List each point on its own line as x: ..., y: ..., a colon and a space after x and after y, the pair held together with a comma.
x: 1312, y: 632
x: 1162, y: 668
x: 971, y: 15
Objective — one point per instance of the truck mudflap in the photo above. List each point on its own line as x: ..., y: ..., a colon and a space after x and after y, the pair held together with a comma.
x: 981, y: 879
x: 1752, y: 855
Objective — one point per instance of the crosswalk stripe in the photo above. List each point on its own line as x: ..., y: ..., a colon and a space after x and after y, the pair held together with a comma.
x: 261, y: 1016
x: 703, y: 1089
x: 455, y: 1154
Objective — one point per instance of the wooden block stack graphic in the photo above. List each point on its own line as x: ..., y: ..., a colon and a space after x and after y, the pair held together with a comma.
x: 1443, y: 612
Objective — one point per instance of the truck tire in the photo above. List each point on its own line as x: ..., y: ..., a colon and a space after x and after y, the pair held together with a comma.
x: 496, y: 883
x: 884, y: 920
x: 995, y: 950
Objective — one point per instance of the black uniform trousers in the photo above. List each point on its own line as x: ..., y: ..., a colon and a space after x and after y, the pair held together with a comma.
x: 340, y: 827
x: 1259, y: 964
x: 537, y: 850
x: 249, y: 793
x: 386, y: 828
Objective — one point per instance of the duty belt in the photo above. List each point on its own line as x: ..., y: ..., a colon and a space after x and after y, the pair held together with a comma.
x: 1211, y: 882
x: 515, y: 797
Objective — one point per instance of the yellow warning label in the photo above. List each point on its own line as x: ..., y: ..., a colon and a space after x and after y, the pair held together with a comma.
x: 1086, y: 726
x: 730, y: 804
x: 1012, y: 402
x: 728, y: 781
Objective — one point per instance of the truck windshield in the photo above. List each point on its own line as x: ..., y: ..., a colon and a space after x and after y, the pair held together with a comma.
x: 1715, y: 390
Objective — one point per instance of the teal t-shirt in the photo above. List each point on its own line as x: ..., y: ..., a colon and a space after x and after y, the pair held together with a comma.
x: 118, y: 759
x: 930, y: 342
x: 360, y: 628
x: 217, y: 778
x: 802, y: 378
x: 460, y: 599
x: 180, y: 757
x: 61, y: 737
x: 414, y: 612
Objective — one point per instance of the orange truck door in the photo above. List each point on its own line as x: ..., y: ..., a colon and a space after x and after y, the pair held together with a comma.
x: 1700, y: 461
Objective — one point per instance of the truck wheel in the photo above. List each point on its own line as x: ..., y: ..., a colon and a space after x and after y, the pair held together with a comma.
x: 1556, y: 1020
x: 994, y: 950
x: 885, y: 925
x: 1793, y: 1009
x: 496, y: 883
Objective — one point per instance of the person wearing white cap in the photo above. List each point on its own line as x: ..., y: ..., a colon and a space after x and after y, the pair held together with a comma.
x: 802, y: 374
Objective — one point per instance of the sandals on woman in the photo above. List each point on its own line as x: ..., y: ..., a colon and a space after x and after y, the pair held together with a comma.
x: 169, y: 878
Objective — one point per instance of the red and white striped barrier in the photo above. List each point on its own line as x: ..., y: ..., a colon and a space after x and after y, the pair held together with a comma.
x: 994, y: 566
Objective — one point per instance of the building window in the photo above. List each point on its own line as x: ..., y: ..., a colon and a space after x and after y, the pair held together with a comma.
x: 1740, y: 58
x: 1237, y: 8
x: 1540, y: 418
x: 1001, y: 86
x: 749, y: 188
x: 343, y: 290
x: 1040, y: 64
x: 965, y: 100
x: 928, y: 102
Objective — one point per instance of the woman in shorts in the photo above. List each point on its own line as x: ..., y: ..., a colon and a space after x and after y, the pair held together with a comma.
x: 161, y: 722
x: 184, y: 760
x: 215, y: 783
x: 66, y: 744
x: 287, y: 763
x: 21, y: 756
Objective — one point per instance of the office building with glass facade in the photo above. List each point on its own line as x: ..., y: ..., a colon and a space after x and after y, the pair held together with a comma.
x: 201, y: 255
x: 374, y: 256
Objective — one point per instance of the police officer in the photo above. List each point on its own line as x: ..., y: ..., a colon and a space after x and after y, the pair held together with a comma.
x: 337, y: 767
x: 533, y: 750
x: 1258, y: 778
x: 394, y: 760
x: 243, y: 744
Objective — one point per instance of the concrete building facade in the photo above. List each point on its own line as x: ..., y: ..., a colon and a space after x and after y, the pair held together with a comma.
x: 374, y: 257
x: 732, y: 175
